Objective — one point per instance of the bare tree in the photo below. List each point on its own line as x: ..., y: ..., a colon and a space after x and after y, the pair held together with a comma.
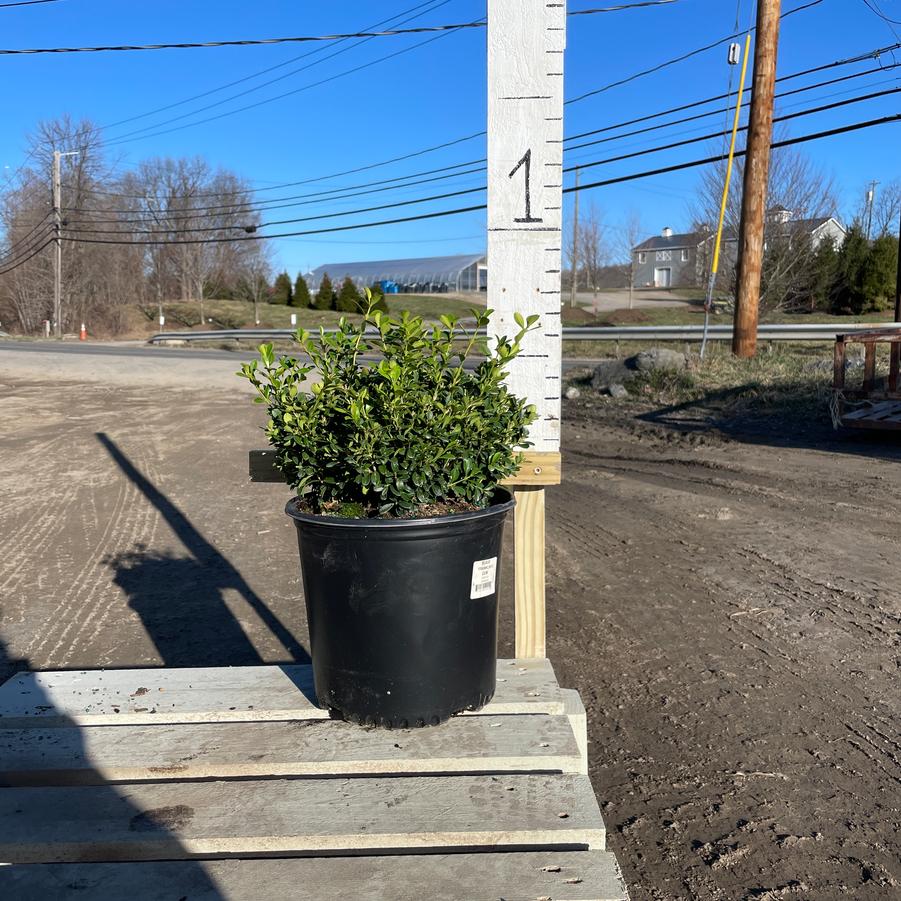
x: 594, y: 251
x: 629, y: 235
x: 886, y: 208
x: 798, y: 193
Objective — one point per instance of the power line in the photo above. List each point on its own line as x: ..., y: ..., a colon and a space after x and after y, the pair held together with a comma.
x: 34, y: 241
x: 149, y: 131
x: 715, y: 112
x: 624, y: 6
x: 8, y: 265
x: 246, y: 208
x: 693, y: 164
x: 449, y: 194
x: 873, y: 54
x: 432, y: 4
x: 679, y: 59
x: 30, y: 232
x: 857, y: 126
x: 409, y: 15
x: 878, y: 12
x: 245, y: 42
x: 26, y: 3
x: 294, y: 39
x: 137, y: 136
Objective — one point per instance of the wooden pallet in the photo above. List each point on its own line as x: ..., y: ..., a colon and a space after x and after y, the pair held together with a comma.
x: 232, y: 783
x: 884, y: 414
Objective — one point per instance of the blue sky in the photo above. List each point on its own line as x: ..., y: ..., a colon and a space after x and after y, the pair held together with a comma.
x: 431, y: 94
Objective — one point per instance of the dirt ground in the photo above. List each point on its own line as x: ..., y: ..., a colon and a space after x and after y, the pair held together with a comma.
x: 724, y: 594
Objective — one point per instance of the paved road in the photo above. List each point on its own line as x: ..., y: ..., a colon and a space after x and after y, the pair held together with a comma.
x: 122, y: 349
x: 111, y: 363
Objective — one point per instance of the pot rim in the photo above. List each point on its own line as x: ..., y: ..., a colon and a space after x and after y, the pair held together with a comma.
x: 502, y: 503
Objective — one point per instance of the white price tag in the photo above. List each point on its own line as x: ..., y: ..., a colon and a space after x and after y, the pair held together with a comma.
x: 484, y: 578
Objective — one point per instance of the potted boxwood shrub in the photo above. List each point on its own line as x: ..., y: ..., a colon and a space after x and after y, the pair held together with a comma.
x: 396, y: 452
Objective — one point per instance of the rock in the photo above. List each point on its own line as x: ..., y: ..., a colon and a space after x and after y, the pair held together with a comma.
x: 660, y: 358
x: 572, y: 393
x: 827, y: 366
x: 618, y: 391
x: 611, y: 372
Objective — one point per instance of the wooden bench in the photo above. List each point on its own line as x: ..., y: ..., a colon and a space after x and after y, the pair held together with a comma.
x: 232, y: 783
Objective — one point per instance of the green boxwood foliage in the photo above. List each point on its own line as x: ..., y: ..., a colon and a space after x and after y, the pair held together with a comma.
x: 415, y: 428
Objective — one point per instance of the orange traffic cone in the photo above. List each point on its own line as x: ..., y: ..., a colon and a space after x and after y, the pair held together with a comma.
x: 83, y: 334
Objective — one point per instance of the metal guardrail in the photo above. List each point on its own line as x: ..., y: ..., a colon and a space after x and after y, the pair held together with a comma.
x: 819, y: 331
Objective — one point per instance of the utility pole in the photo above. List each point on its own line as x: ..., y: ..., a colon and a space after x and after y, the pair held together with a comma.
x: 757, y: 165
x: 58, y: 242
x: 57, y: 247
x: 871, y: 201
x: 574, y: 275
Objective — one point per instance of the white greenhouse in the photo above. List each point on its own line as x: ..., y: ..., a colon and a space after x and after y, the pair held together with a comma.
x: 423, y: 275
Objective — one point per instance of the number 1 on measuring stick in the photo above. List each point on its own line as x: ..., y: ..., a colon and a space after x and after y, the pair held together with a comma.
x: 527, y: 161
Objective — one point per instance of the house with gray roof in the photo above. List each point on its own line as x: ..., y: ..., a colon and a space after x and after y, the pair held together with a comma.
x: 672, y: 260
x: 669, y: 260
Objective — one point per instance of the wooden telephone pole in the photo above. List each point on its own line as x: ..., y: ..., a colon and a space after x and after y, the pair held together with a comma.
x: 757, y: 166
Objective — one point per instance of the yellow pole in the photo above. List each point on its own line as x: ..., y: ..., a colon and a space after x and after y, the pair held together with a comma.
x: 741, y: 91
x: 719, y: 229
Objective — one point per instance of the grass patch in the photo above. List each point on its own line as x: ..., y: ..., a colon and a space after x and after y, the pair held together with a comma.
x: 235, y: 314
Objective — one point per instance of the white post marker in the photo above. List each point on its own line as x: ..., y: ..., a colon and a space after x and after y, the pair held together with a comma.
x: 526, y: 41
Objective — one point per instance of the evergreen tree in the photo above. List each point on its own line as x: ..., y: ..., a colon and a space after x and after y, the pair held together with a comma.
x: 879, y: 273
x: 301, y: 296
x: 325, y: 296
x: 824, y: 268
x: 349, y: 298
x: 848, y: 292
x: 281, y: 290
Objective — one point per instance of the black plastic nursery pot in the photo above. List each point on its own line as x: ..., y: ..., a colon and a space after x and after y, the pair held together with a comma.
x: 403, y: 612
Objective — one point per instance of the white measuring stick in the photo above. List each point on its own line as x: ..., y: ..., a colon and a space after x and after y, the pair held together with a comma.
x: 526, y: 40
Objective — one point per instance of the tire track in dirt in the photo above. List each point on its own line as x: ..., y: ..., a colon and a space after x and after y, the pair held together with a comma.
x: 143, y: 520
x: 68, y: 607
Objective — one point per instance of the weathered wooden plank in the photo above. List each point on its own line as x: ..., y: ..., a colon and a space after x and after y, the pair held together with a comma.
x: 886, y: 406
x: 221, y: 694
x: 513, y: 876
x: 578, y: 720
x: 890, y: 424
x: 176, y: 821
x: 92, y: 755
x: 869, y: 366
x: 538, y: 468
x: 838, y: 364
x: 529, y: 598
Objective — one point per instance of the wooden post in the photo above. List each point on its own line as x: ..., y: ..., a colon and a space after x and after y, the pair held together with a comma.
x: 525, y: 200
x: 869, y: 366
x: 838, y: 363
x: 757, y: 163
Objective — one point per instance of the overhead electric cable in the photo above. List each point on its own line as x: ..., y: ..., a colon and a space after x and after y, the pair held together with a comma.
x: 418, y: 9
x: 679, y: 59
x: 9, y: 265
x: 26, y: 3
x: 857, y: 126
x: 248, y: 208
x: 137, y: 136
